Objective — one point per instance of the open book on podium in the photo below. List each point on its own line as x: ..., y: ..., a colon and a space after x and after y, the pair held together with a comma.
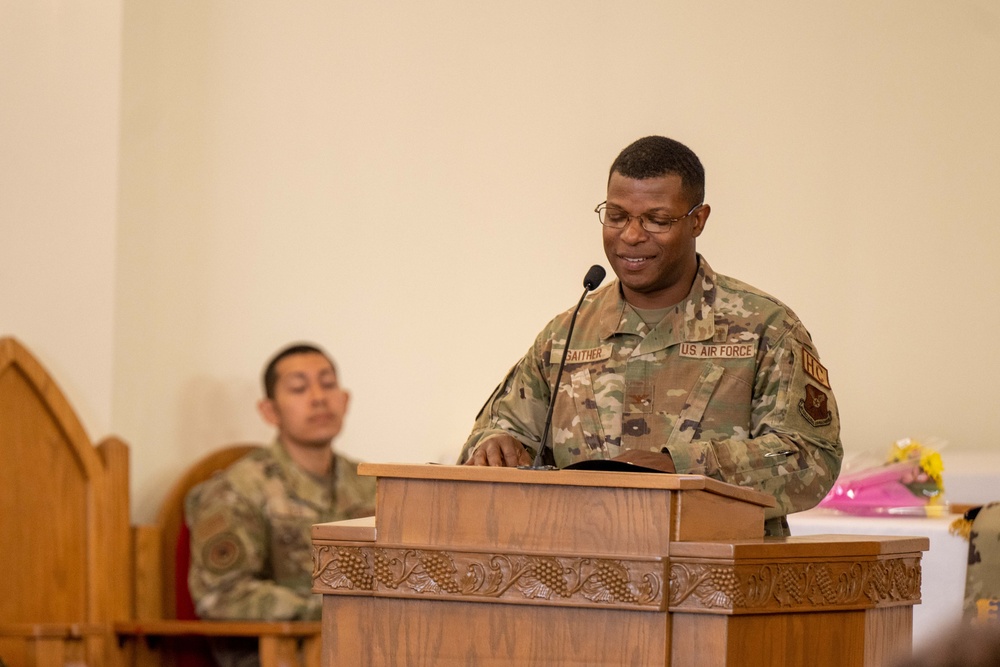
x: 469, y: 565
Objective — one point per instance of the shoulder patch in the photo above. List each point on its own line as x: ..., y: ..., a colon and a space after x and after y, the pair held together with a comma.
x: 814, y: 369
x: 815, y: 407
x: 223, y: 552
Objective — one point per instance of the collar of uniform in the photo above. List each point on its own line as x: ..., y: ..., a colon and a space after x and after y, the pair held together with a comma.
x: 617, y: 317
x: 691, y: 320
x: 301, y: 484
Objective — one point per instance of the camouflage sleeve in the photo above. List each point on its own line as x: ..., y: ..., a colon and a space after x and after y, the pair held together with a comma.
x: 230, y: 576
x: 794, y: 450
x: 982, y: 574
x: 520, y: 419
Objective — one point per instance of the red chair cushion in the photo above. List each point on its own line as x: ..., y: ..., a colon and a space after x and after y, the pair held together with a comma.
x: 182, y: 562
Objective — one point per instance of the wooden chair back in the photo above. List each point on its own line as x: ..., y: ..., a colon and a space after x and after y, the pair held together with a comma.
x: 64, y: 523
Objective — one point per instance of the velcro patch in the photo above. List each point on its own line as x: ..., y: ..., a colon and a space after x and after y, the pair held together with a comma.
x: 718, y: 350
x: 223, y: 553
x: 584, y: 356
x: 815, y: 407
x: 814, y: 369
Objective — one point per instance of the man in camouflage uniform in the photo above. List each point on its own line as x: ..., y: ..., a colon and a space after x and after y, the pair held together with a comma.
x: 697, y: 370
x: 982, y: 578
x: 251, y: 550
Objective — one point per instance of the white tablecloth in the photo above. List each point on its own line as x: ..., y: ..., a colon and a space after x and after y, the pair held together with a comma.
x: 943, y: 566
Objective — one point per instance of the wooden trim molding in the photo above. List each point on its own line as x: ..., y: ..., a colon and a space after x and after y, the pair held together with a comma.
x: 515, y: 578
x: 543, y: 579
x: 748, y: 588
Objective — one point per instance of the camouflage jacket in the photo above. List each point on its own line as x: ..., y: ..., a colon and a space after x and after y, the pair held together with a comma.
x: 251, y: 549
x: 982, y: 577
x: 728, y: 383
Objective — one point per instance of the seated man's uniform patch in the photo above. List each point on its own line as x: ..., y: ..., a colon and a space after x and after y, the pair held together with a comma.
x: 223, y: 552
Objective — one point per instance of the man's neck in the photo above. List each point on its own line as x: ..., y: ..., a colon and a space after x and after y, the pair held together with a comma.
x: 314, y: 459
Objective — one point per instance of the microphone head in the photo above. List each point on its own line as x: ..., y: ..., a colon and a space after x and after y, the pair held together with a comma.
x: 594, y: 277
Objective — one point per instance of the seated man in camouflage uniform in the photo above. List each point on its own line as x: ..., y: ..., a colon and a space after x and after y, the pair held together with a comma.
x: 251, y: 554
x: 982, y: 576
x: 673, y: 362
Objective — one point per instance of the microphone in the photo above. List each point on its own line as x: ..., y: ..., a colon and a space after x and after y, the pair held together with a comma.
x: 545, y: 459
x: 593, y: 278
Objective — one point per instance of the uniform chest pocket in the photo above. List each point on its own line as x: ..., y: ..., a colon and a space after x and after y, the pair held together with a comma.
x: 686, y: 424
x: 579, y: 423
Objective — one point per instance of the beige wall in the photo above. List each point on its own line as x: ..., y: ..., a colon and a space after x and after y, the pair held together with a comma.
x: 412, y: 185
x: 60, y: 88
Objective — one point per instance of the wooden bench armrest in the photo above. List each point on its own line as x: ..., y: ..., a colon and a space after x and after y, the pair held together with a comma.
x: 201, y: 628
x: 282, y: 643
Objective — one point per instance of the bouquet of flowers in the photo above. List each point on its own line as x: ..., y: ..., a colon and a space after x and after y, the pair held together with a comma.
x: 908, y: 482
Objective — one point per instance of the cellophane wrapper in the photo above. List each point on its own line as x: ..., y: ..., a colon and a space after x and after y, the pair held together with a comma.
x: 909, y: 482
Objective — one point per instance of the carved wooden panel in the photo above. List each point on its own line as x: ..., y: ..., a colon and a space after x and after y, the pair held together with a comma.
x: 722, y: 587
x: 520, y: 578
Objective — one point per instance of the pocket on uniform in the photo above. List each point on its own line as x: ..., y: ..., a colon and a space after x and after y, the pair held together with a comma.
x: 774, y: 465
x: 689, y: 419
x: 583, y: 430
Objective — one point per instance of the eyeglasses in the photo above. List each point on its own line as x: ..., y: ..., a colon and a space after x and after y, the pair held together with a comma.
x: 653, y: 222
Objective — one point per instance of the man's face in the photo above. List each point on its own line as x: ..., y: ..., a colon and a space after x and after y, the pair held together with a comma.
x: 655, y: 269
x: 308, y: 407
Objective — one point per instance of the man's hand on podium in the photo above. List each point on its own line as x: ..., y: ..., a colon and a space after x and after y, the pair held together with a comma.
x: 500, y: 450
x: 503, y: 450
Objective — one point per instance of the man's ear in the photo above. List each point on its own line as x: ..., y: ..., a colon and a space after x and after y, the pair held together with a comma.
x: 267, y: 410
x: 700, y: 218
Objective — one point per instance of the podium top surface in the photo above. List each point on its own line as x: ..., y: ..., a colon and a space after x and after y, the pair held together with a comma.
x: 625, y: 480
x: 802, y: 546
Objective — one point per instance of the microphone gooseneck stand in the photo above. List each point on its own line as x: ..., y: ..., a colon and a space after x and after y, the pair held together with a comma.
x: 545, y: 459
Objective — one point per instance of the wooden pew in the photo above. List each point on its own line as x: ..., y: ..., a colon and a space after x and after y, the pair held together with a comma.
x: 66, y: 540
x: 64, y: 525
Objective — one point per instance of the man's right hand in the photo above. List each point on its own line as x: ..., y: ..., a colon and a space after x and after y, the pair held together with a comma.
x: 500, y: 450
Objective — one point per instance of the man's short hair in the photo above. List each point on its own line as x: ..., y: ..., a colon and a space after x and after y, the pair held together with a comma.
x: 651, y: 157
x: 271, y: 370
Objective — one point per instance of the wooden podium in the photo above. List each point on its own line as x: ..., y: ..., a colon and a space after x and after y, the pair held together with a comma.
x: 499, y: 566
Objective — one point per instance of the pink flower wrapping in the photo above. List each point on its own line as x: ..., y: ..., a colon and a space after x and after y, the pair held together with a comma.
x: 907, y: 484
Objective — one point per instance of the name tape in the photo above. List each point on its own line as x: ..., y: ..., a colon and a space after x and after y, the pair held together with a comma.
x: 583, y: 356
x: 718, y: 350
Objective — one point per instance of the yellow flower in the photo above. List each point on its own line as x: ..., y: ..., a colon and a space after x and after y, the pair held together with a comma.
x: 905, y: 450
x: 930, y: 462
x: 928, y: 459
